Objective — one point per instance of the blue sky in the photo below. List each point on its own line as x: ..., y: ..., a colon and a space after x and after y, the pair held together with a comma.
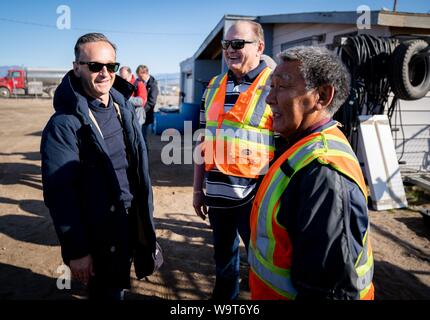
x: 159, y: 33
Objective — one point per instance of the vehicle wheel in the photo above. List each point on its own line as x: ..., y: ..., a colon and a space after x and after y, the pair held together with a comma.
x: 51, y: 92
x: 4, y: 92
x: 410, y: 72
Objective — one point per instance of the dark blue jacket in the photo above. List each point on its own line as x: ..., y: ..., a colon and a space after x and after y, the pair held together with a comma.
x: 325, y: 215
x: 81, y: 189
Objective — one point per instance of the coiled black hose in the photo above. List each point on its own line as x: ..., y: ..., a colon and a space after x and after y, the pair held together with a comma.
x: 368, y: 60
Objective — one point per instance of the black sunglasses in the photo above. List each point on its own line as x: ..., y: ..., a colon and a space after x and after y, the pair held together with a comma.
x: 97, y: 66
x: 236, y: 44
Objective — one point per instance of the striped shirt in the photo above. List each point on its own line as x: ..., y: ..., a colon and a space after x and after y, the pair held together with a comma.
x: 224, y: 191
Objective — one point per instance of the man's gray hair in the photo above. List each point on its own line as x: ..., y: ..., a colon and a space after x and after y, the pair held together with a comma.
x: 90, y: 37
x: 126, y: 68
x: 320, y: 67
x: 256, y: 28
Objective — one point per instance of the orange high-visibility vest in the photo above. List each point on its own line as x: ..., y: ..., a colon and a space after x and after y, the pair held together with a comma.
x: 270, y: 250
x: 238, y: 142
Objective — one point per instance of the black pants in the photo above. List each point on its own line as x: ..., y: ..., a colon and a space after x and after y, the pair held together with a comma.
x: 112, y: 267
x: 99, y: 290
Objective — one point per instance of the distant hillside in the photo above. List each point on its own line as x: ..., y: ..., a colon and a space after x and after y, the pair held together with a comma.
x: 167, y: 78
x: 164, y: 79
x: 4, y: 69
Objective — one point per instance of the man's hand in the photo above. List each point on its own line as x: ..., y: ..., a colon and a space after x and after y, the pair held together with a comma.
x: 199, y: 204
x: 82, y: 269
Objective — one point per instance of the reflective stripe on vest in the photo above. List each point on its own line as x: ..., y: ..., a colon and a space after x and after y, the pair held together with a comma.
x: 269, y: 255
x: 276, y: 278
x: 238, y: 142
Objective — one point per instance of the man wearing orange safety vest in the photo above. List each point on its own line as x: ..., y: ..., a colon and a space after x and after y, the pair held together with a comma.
x: 237, y: 147
x: 309, y: 221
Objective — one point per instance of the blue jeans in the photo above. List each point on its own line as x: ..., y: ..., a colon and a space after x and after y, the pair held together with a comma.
x: 227, y: 225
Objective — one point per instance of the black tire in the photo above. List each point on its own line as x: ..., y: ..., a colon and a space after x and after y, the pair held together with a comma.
x: 410, y: 73
x: 4, y: 92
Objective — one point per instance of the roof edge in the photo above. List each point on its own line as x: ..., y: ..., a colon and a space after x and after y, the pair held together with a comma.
x: 333, y: 17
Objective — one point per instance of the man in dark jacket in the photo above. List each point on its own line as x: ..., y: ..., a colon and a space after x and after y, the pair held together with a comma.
x: 95, y: 173
x: 142, y: 72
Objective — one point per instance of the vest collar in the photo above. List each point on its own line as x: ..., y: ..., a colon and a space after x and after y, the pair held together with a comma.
x: 284, y: 144
x: 250, y: 76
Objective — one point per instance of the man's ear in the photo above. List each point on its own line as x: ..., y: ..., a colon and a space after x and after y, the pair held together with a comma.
x: 76, y: 69
x: 261, y: 47
x: 325, y: 96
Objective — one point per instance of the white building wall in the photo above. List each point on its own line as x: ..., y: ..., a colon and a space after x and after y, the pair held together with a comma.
x: 189, y: 88
x: 187, y: 80
x: 412, y: 134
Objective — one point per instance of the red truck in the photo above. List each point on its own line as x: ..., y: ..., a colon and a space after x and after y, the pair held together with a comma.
x: 30, y: 81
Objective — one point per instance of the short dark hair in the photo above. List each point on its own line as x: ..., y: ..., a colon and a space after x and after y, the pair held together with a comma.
x: 143, y: 67
x: 91, y: 37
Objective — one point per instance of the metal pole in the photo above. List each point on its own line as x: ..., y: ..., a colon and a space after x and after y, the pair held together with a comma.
x: 395, y: 6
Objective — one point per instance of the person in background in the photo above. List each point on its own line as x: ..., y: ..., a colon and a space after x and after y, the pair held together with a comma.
x: 142, y: 72
x: 269, y: 61
x: 182, y: 96
x: 95, y: 174
x: 309, y: 221
x: 234, y: 101
x: 140, y: 95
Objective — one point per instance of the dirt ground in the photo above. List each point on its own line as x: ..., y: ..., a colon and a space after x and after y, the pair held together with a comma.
x: 30, y: 255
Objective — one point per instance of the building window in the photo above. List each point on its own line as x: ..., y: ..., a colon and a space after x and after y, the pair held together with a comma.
x: 308, y: 41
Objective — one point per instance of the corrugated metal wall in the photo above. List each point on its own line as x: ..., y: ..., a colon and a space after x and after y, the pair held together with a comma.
x: 412, y: 134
